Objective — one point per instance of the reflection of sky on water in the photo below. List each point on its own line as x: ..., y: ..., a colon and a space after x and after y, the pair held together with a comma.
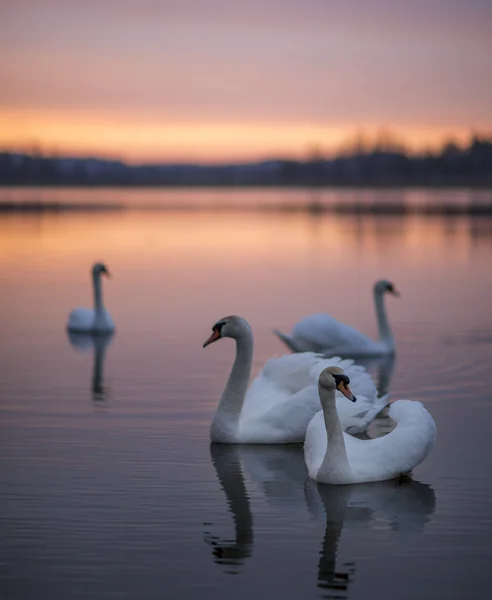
x: 117, y: 498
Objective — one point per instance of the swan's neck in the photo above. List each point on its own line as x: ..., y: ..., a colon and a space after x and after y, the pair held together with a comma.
x: 335, y: 463
x: 385, y: 334
x: 98, y: 303
x: 226, y: 419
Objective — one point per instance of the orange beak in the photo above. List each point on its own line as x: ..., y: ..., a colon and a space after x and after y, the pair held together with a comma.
x: 213, y: 338
x: 346, y: 391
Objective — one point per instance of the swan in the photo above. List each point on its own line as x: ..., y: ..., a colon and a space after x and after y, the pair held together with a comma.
x: 97, y: 319
x: 346, y: 459
x: 323, y: 333
x: 281, y: 401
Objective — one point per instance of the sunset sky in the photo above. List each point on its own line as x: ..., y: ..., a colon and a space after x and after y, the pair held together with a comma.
x: 214, y: 80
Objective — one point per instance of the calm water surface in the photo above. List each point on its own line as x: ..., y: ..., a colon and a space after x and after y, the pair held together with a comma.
x: 109, y: 486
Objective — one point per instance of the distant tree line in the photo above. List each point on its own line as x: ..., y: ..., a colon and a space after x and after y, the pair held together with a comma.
x: 359, y: 166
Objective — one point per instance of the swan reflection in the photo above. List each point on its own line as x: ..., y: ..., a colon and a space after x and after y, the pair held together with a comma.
x: 276, y: 472
x: 227, y: 464
x: 403, y: 505
x: 84, y: 342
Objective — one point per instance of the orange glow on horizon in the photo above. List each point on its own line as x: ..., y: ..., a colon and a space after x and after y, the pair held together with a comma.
x: 144, y: 138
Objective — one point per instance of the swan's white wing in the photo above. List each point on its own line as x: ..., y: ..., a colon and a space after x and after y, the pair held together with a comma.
x: 107, y: 320
x: 81, y: 319
x: 84, y: 319
x: 354, y: 416
x: 290, y: 373
x: 287, y: 389
x: 270, y: 413
x: 293, y: 372
x: 292, y: 417
x: 399, y: 451
x: 368, y: 410
x: 324, y: 332
x: 361, y: 382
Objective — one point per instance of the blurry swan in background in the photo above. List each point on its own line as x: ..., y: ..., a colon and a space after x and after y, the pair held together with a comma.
x: 99, y: 343
x: 405, y: 506
x: 97, y: 319
x: 283, y: 398
x: 323, y: 333
x: 333, y: 456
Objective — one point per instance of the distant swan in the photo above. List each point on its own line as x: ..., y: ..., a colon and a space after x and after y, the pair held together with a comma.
x: 97, y: 319
x: 346, y: 459
x: 281, y: 401
x: 323, y: 333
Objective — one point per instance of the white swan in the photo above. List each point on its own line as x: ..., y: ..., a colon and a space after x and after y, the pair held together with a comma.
x: 323, y: 333
x: 281, y: 401
x: 346, y: 459
x: 97, y: 319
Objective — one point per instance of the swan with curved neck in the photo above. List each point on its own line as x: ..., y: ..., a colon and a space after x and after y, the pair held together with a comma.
x: 323, y: 333
x: 97, y: 319
x: 283, y: 398
x: 333, y: 456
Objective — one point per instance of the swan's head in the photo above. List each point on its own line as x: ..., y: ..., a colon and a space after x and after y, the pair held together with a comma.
x: 99, y: 269
x: 233, y: 327
x: 383, y: 286
x: 334, y: 378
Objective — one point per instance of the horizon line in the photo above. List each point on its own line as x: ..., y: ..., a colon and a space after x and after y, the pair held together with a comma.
x: 390, y: 143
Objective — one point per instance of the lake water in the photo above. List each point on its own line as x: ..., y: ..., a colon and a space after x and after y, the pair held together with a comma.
x: 109, y: 486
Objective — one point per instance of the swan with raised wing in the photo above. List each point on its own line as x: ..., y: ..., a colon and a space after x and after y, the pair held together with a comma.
x: 97, y: 319
x: 333, y: 456
x: 323, y: 333
x: 283, y: 398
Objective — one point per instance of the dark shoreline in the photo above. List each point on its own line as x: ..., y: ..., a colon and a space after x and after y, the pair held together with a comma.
x: 313, y: 208
x: 392, y: 185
